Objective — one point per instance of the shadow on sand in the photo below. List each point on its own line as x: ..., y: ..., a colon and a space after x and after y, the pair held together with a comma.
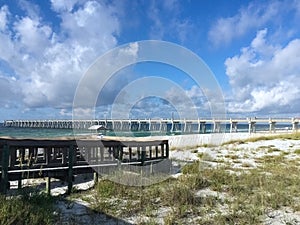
x: 77, y: 212
x: 67, y: 211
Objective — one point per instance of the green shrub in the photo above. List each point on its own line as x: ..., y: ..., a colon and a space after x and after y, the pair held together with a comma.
x: 28, y: 208
x: 192, y: 168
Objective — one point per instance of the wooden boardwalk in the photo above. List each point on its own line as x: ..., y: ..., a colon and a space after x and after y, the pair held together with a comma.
x: 65, y: 157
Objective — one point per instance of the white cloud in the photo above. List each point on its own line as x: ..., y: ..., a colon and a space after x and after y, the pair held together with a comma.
x: 3, y: 17
x: 30, y: 8
x: 32, y: 36
x: 264, y: 77
x: 63, y: 5
x: 196, y: 97
x: 47, y: 63
x: 167, y: 21
x: 254, y: 16
x: 8, y: 93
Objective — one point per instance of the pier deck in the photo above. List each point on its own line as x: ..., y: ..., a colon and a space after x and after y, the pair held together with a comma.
x: 158, y: 125
x: 65, y: 157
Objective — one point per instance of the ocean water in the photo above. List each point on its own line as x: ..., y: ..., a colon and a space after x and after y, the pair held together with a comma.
x: 34, y: 132
x: 51, y: 132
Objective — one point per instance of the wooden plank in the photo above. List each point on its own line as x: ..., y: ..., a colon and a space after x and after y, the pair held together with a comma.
x: 143, y: 155
x: 4, y: 171
x: 70, y: 169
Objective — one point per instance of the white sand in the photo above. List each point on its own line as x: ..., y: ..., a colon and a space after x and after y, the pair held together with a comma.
x: 180, y: 141
x: 245, y: 156
x: 240, y: 154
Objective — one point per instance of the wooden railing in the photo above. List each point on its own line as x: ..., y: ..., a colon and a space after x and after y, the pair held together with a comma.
x: 64, y: 158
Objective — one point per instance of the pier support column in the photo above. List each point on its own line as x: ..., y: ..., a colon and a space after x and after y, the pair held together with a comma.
x: 217, y: 127
x: 172, y: 126
x: 252, y: 128
x: 272, y: 126
x: 184, y: 129
x: 295, y: 126
x: 202, y: 127
x: 233, y: 126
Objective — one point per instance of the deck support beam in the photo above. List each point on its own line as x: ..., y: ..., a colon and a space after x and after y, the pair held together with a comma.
x: 4, y: 172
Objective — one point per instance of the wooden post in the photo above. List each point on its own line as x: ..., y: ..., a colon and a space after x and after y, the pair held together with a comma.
x: 64, y: 156
x: 13, y: 157
x: 150, y: 151
x: 48, y: 185
x: 4, y: 174
x: 70, y: 170
x: 130, y: 154
x: 20, y: 183
x: 102, y: 153
x: 120, y: 152
x: 96, y: 178
x: 167, y: 150
x: 143, y: 158
x: 138, y: 152
x: 48, y: 155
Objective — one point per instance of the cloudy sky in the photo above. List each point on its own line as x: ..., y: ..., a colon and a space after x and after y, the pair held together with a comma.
x: 251, y: 47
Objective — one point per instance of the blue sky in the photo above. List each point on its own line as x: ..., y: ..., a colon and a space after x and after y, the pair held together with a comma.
x: 252, y: 47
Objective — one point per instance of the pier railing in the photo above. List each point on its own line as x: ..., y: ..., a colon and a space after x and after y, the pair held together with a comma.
x: 159, y: 125
x: 64, y: 158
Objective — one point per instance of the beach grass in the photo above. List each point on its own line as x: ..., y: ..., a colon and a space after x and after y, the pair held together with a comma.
x: 290, y: 136
x: 239, y: 196
x: 29, y: 207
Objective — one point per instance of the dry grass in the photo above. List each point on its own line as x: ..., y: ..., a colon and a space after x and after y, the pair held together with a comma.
x: 248, y: 194
x: 292, y: 136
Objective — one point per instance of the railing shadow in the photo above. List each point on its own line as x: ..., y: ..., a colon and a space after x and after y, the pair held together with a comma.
x: 67, y: 211
x: 77, y: 212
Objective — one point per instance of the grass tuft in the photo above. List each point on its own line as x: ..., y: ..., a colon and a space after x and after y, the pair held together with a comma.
x: 27, y: 208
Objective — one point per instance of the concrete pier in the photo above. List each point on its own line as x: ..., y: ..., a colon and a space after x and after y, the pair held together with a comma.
x: 162, y: 125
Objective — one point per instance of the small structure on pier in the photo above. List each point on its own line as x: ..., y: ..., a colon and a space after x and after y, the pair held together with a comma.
x: 98, y: 128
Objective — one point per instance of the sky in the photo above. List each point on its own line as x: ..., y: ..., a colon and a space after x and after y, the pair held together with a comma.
x: 251, y: 47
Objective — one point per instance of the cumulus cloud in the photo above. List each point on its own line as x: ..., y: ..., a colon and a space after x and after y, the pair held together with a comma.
x: 3, y: 17
x: 264, y: 77
x: 47, y: 64
x: 167, y: 21
x: 63, y: 5
x: 255, y: 16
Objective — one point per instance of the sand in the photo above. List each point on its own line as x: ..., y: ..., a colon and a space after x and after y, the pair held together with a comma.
x: 236, y: 155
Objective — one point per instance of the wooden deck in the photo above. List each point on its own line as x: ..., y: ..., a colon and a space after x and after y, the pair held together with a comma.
x: 65, y: 157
